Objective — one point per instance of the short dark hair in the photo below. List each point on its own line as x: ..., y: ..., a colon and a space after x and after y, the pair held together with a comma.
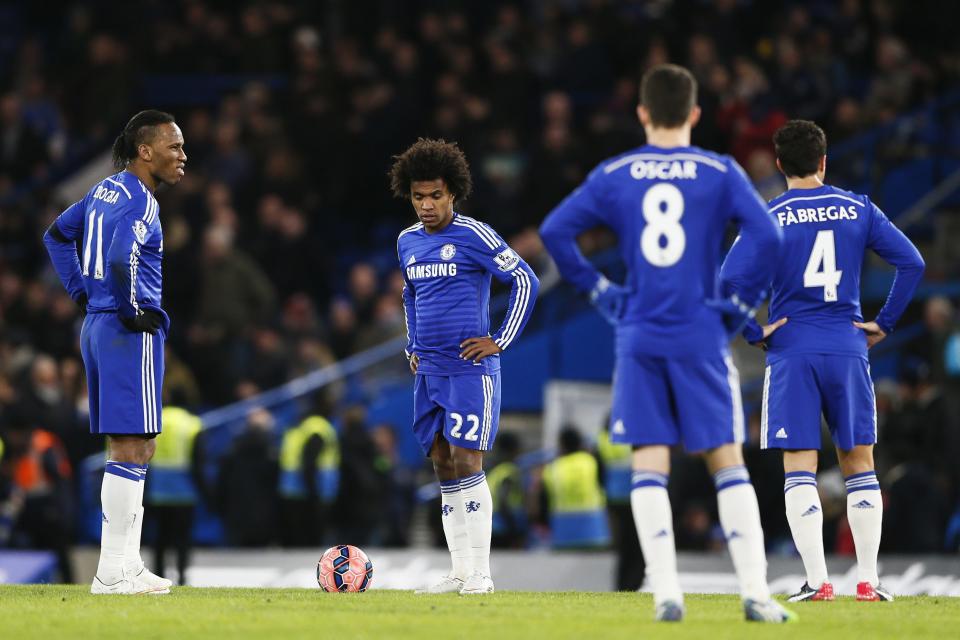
x: 141, y: 129
x: 428, y: 159
x: 669, y: 93
x: 799, y: 145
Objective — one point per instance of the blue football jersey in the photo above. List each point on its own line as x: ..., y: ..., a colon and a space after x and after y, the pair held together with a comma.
x: 816, y: 282
x: 446, y: 293
x: 669, y: 209
x: 118, y: 265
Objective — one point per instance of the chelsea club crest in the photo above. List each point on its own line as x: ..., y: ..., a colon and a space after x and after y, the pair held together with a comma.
x: 448, y: 251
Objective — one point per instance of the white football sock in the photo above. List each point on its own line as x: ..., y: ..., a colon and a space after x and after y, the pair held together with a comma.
x: 740, y: 520
x: 654, y: 520
x: 865, y: 515
x: 478, y: 515
x: 454, y: 528
x: 133, y: 562
x: 805, y: 515
x: 118, y: 497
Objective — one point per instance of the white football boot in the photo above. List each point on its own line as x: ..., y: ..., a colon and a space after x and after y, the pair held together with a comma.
x: 477, y: 584
x: 148, y: 580
x: 447, y: 584
x: 123, y: 587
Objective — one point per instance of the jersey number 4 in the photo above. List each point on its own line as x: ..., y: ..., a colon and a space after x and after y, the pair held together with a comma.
x: 821, y: 268
x: 663, y: 240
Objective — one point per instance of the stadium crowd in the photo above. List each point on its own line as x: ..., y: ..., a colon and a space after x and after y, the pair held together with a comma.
x: 279, y: 242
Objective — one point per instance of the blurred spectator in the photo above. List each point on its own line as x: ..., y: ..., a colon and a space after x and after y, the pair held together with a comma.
x: 309, y: 478
x: 360, y: 501
x: 399, y: 488
x: 246, y: 485
x: 38, y: 508
x: 510, y: 523
x: 573, y: 496
x: 616, y: 461
x: 175, y: 485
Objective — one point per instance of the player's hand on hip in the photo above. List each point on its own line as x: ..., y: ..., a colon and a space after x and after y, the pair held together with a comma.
x: 146, y: 321
x: 767, y: 331
x: 874, y: 333
x: 478, y: 348
x: 610, y: 299
x: 414, y: 361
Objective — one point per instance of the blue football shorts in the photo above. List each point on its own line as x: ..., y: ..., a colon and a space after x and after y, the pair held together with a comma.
x: 124, y: 376
x: 465, y: 409
x: 798, y: 389
x: 664, y: 401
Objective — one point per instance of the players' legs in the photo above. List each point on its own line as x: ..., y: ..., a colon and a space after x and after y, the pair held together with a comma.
x: 121, y: 496
x: 740, y: 519
x: 477, y: 506
x: 451, y: 508
x: 864, y: 508
x: 653, y: 518
x: 850, y: 409
x: 643, y: 415
x: 711, y: 421
x: 804, y: 512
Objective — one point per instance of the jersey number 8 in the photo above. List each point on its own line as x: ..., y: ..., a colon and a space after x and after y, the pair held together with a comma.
x: 821, y: 268
x: 662, y: 209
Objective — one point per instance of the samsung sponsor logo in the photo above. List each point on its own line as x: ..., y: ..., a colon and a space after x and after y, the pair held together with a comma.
x: 421, y: 271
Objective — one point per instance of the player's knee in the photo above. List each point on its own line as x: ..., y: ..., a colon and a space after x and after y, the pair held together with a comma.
x: 466, y: 461
x: 856, y: 460
x: 728, y: 455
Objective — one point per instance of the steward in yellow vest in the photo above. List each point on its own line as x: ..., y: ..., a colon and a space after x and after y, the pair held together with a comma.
x: 576, y: 502
x: 309, y: 480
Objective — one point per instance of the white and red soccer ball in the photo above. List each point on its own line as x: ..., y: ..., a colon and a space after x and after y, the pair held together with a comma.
x: 344, y: 568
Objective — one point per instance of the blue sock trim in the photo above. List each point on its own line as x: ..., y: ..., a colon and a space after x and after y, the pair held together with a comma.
x: 866, y: 481
x: 125, y: 470
x: 797, y: 478
x: 731, y: 477
x: 472, y: 480
x: 450, y: 486
x: 648, y: 479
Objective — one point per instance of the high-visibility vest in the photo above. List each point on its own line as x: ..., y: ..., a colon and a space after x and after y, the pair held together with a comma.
x: 578, y: 515
x: 328, y: 461
x: 28, y: 471
x: 617, y: 474
x: 496, y: 478
x: 169, y: 480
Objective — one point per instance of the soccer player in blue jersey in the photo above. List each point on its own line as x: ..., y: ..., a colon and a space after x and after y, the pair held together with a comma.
x: 116, y: 280
x: 448, y: 260
x: 817, y: 346
x: 669, y: 204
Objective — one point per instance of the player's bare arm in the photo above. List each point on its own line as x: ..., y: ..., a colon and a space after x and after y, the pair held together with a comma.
x: 478, y: 348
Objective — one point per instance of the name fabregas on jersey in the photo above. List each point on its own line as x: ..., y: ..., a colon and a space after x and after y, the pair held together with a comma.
x: 820, y: 214
x: 423, y: 271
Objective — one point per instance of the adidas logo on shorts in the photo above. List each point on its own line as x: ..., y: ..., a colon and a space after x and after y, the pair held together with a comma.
x: 781, y: 433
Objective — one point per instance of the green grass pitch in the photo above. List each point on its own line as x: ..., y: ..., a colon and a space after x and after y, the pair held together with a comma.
x: 56, y: 611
